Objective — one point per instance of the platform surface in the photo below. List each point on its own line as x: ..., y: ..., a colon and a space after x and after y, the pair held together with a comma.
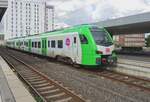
x: 133, y: 67
x: 11, y: 88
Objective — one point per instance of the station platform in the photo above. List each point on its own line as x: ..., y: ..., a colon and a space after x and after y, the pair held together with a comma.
x: 11, y: 88
x: 133, y: 67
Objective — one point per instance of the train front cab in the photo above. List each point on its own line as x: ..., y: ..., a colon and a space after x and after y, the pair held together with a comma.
x: 94, y: 52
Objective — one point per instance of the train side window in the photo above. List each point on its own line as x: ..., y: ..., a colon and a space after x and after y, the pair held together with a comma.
x: 35, y: 44
x: 75, y: 40
x: 83, y: 39
x: 39, y: 44
x: 60, y: 44
x: 48, y: 43
x: 42, y: 43
x: 27, y: 44
x: 32, y: 44
x: 53, y: 43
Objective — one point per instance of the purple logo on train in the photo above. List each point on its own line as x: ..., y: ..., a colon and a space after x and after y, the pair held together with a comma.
x: 68, y: 42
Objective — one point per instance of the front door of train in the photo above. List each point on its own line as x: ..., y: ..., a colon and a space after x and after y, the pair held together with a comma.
x: 75, y: 48
x: 44, y: 46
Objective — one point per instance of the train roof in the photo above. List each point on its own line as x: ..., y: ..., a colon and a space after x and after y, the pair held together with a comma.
x: 63, y: 30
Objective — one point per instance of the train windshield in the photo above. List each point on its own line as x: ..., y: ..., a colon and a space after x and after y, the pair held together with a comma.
x: 101, y: 37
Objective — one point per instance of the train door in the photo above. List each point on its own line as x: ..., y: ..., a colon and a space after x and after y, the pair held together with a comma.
x: 29, y: 45
x: 86, y: 49
x: 44, y: 46
x: 75, y: 48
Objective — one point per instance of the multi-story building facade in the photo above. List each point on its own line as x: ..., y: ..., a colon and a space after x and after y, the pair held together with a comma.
x: 28, y: 17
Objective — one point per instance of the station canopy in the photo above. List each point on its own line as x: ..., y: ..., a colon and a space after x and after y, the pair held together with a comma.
x: 3, y: 7
x: 127, y: 25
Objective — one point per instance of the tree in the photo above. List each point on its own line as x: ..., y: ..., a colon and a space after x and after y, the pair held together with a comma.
x: 148, y: 41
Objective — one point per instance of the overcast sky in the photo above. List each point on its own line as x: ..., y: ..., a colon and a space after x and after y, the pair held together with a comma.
x: 73, y: 12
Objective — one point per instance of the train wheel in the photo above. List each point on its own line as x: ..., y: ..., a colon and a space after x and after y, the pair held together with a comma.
x: 69, y: 60
x: 59, y: 58
x: 76, y: 65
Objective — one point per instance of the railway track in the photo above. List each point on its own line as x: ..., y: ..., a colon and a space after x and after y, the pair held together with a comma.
x: 47, y: 89
x: 143, y: 84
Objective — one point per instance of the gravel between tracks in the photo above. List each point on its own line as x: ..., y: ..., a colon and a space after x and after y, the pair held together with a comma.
x: 93, y: 87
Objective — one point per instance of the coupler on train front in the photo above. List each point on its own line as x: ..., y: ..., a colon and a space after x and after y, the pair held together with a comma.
x: 107, y: 60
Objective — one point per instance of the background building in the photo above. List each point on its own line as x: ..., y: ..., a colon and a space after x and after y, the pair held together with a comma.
x: 28, y: 17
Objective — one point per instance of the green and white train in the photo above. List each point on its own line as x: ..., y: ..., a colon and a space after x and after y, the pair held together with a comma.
x: 82, y: 44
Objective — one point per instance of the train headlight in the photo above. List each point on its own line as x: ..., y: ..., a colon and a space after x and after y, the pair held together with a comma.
x: 104, y: 61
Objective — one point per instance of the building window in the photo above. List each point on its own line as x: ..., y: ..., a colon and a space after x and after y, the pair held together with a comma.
x: 60, y: 44
x: 53, y: 43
